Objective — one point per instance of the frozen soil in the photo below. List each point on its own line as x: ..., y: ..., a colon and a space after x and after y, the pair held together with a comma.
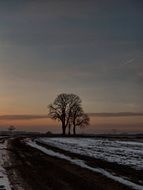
x: 127, y: 153
x: 44, y: 172
x: 118, y: 169
x: 4, y: 181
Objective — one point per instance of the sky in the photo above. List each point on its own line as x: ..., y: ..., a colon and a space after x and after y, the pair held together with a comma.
x: 90, y: 48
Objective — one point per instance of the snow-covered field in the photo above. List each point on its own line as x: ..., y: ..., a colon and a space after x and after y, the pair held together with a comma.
x: 122, y: 152
x: 83, y: 164
x: 4, y: 182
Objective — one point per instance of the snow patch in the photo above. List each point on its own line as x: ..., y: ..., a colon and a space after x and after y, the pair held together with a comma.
x: 4, y: 182
x: 121, y: 152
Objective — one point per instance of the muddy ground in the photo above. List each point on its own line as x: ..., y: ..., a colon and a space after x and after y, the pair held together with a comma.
x: 33, y: 170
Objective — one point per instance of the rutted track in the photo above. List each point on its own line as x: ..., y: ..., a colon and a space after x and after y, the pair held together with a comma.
x: 117, y: 169
x: 44, y: 172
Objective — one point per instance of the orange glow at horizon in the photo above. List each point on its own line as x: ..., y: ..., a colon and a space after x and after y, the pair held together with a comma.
x: 96, y: 124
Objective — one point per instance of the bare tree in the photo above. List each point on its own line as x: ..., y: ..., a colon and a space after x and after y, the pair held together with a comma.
x: 11, y: 128
x: 79, y: 119
x: 62, y: 107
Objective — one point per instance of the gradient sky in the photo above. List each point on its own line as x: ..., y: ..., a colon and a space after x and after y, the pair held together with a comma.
x: 91, y: 48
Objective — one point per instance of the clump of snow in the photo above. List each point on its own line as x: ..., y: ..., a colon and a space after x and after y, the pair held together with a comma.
x: 82, y: 164
x: 121, y: 152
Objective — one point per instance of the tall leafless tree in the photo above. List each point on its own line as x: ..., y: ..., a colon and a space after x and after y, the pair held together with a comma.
x: 62, y: 109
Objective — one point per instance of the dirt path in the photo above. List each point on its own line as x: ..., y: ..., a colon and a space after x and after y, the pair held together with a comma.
x: 43, y: 172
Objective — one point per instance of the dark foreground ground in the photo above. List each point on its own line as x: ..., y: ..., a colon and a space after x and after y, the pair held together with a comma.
x: 33, y: 170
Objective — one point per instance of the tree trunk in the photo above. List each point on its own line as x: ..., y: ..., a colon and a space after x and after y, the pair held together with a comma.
x: 74, y: 130
x: 63, y: 128
x: 69, y: 133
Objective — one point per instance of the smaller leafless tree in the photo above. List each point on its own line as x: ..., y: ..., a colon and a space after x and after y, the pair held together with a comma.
x: 11, y: 128
x: 81, y: 121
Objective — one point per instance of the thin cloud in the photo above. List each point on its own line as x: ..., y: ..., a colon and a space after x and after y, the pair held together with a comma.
x: 22, y: 117
x: 119, y: 114
x: 130, y: 61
